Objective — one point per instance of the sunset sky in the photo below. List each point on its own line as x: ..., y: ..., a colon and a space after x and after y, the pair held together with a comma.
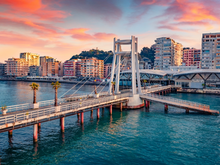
x: 62, y: 28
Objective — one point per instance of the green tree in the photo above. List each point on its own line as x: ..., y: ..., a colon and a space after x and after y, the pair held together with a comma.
x: 148, y: 52
x: 56, y: 86
x: 34, y: 86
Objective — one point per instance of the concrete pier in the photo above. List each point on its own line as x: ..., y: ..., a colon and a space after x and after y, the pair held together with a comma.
x: 91, y: 115
x: 35, y: 134
x: 110, y: 110
x: 62, y: 124
x: 121, y: 107
x: 82, y: 117
x: 166, y: 108
x: 39, y: 125
x: 10, y: 133
x: 78, y: 115
x: 98, y: 113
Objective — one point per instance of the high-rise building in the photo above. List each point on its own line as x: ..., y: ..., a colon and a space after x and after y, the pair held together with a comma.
x: 92, y: 67
x: 17, y: 67
x: 32, y: 58
x: 191, y: 57
x: 168, y: 53
x: 210, y: 56
x: 50, y: 68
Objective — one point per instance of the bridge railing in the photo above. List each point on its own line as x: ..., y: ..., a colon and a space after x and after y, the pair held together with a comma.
x: 190, y: 103
x: 26, y: 106
x: 155, y: 89
x: 63, y: 108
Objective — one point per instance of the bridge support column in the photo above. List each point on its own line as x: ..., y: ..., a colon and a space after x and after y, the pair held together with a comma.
x: 103, y: 111
x: 98, y: 114
x: 110, y: 110
x: 121, y: 107
x: 62, y: 124
x: 165, y: 107
x: 39, y: 125
x: 78, y: 115
x: 91, y: 113
x: 187, y: 110
x: 10, y: 133
x: 82, y: 117
x: 35, y: 134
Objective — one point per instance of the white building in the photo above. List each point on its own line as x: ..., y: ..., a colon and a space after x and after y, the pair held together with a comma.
x: 168, y: 53
x: 210, y: 56
x: 182, y: 68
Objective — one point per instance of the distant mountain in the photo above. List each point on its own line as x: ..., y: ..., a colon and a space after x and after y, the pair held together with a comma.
x: 99, y: 54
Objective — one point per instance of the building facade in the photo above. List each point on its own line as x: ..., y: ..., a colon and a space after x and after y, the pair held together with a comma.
x: 2, y: 69
x: 32, y: 58
x: 210, y: 56
x: 168, y: 53
x: 34, y: 71
x: 107, y: 70
x: 191, y: 57
x: 92, y: 67
x: 69, y: 68
x: 17, y: 67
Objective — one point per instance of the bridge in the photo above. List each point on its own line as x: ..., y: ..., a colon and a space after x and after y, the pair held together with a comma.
x: 24, y: 115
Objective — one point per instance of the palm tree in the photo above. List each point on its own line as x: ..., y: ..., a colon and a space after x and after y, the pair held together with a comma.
x: 56, y: 85
x: 144, y: 84
x: 34, y: 86
x: 113, y: 90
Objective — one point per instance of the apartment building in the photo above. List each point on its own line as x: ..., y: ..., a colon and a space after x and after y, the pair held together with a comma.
x: 32, y: 58
x: 50, y: 69
x: 17, y: 67
x: 92, y: 67
x: 69, y: 68
x: 168, y: 53
x: 107, y: 70
x: 2, y: 69
x: 210, y: 56
x: 191, y: 57
x: 46, y: 59
x: 34, y: 71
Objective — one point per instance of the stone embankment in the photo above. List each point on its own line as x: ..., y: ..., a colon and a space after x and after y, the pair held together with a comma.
x: 199, y: 91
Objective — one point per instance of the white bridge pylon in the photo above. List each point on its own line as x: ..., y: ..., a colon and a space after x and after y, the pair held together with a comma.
x: 117, y: 55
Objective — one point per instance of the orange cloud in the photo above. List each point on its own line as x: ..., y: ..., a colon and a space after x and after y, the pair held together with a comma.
x: 80, y: 34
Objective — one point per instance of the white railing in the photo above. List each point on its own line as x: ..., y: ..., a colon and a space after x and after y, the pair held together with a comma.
x: 155, y: 89
x: 26, y: 106
x: 189, y: 103
x: 20, y: 116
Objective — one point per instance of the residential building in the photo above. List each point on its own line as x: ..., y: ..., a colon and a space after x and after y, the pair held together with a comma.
x: 191, y: 57
x: 17, y: 67
x: 210, y: 56
x: 168, y: 53
x: 2, y: 69
x: 107, y: 70
x: 32, y: 58
x: 50, y: 69
x: 34, y: 71
x: 46, y: 59
x: 92, y: 67
x: 69, y: 68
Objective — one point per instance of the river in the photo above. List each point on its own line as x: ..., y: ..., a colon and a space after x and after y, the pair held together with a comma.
x: 128, y: 137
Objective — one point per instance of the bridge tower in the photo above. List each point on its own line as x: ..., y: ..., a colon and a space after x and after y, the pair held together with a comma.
x: 118, y: 53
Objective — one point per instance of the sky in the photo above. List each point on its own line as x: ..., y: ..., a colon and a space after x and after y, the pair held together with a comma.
x: 62, y: 28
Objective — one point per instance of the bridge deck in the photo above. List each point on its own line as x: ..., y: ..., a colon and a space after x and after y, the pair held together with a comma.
x: 19, y: 119
x: 179, y: 103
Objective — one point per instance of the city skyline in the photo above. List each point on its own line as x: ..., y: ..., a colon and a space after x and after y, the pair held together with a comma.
x: 62, y: 29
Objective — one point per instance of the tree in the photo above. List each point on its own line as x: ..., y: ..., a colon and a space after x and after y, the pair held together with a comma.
x: 113, y: 90
x: 148, y: 52
x: 56, y: 86
x: 34, y: 86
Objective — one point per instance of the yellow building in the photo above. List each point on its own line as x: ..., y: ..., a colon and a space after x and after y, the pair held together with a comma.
x: 32, y: 58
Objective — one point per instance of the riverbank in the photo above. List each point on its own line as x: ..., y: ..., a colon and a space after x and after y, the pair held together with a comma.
x: 199, y: 91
